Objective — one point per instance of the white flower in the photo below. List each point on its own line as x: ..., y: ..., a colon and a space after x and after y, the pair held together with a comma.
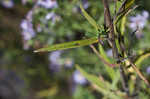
x: 7, y: 3
x: 78, y: 78
x: 138, y: 21
x: 48, y: 4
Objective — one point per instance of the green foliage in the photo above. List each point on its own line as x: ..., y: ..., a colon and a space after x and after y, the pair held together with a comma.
x: 68, y: 45
x: 89, y: 18
x: 106, y: 88
x: 83, y: 93
x: 77, y: 26
x: 101, y: 85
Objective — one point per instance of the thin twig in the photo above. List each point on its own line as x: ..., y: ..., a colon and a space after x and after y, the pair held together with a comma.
x: 139, y: 73
x: 101, y: 58
x: 109, y: 24
x: 124, y: 80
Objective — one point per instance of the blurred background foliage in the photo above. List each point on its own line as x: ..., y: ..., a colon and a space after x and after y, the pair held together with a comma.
x: 26, y: 25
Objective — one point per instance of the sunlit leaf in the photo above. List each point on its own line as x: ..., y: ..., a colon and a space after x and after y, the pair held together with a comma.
x: 68, y: 45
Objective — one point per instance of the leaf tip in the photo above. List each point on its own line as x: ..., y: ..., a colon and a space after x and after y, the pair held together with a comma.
x: 38, y: 50
x: 35, y: 51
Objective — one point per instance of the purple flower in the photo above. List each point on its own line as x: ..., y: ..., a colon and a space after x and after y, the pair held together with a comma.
x: 85, y: 4
x: 53, y: 17
x: 139, y: 21
x: 29, y: 15
x: 48, y: 4
x: 109, y: 53
x: 7, y: 3
x: 78, y: 78
x: 24, y: 1
x: 28, y: 32
x: 148, y: 70
x: 55, y: 60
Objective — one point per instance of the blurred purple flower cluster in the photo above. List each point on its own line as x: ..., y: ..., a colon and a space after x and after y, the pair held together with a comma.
x: 109, y: 53
x: 7, y: 3
x: 56, y: 61
x: 48, y: 4
x: 148, y: 70
x: 138, y: 22
x: 28, y: 32
x: 79, y: 78
x: 27, y: 29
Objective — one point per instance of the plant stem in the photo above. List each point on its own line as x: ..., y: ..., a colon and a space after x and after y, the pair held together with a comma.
x: 124, y: 80
x: 109, y: 24
x: 101, y: 58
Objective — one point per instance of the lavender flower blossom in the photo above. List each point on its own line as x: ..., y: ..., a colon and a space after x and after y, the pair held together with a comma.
x: 78, y: 78
x: 109, y: 53
x: 148, y: 70
x: 55, y: 61
x: 138, y: 22
x: 24, y: 2
x: 85, y: 4
x: 28, y: 31
x: 7, y: 3
x: 53, y: 17
x: 48, y: 4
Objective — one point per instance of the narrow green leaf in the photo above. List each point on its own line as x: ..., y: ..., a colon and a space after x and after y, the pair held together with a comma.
x: 124, y: 9
x: 68, y: 45
x: 129, y: 3
x: 101, y: 85
x: 89, y: 18
x: 115, y: 79
x: 111, y: 71
x: 142, y: 55
x: 95, y: 80
x: 125, y: 5
x: 123, y: 22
